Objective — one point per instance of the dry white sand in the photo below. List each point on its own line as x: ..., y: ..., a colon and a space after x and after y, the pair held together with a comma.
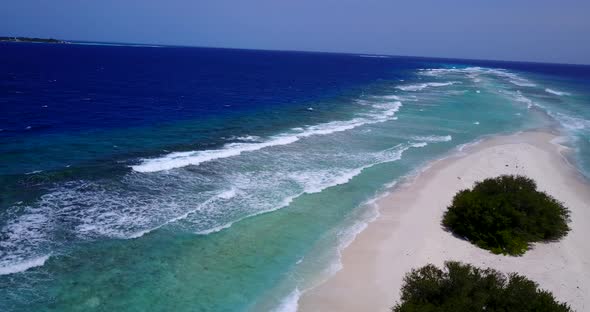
x: 408, y: 233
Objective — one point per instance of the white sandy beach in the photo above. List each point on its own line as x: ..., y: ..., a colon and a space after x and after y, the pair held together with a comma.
x: 408, y: 234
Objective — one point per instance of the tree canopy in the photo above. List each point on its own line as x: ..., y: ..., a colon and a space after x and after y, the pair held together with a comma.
x: 465, y: 288
x: 506, y: 214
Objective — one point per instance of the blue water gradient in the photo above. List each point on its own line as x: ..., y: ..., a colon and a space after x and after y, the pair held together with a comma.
x: 190, y: 179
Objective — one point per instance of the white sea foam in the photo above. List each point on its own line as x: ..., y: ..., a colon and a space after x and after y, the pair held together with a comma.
x: 23, y: 265
x: 344, y: 237
x: 461, y: 147
x: 284, y: 203
x: 389, y: 97
x: 318, y: 180
x: 91, y: 210
x: 20, y: 236
x: 348, y: 234
x: 315, y: 182
x: 433, y: 138
x: 183, y: 159
x: 513, y: 78
x: 289, y: 303
x: 419, y: 144
x: 225, y: 195
x: 570, y: 122
x: 421, y: 86
x: 475, y: 73
x: 248, y: 138
x: 560, y: 93
x: 34, y: 172
x: 523, y: 99
x: 522, y: 83
x: 215, y: 229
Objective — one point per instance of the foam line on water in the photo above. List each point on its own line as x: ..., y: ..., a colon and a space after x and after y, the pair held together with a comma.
x: 389, y: 97
x: 345, y: 237
x: 289, y: 303
x: 476, y: 73
x: 223, y: 195
x: 86, y: 211
x: 286, y: 202
x: 555, y: 92
x: 182, y: 159
x: 570, y: 123
x: 522, y: 83
x: 20, y: 236
x: 90, y: 210
x: 392, y: 154
x: 422, y: 86
x: 311, y: 186
x: 23, y: 265
x: 34, y: 172
x: 433, y: 138
x: 519, y: 97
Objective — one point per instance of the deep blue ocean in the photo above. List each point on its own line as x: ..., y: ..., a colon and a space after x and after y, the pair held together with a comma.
x: 137, y: 178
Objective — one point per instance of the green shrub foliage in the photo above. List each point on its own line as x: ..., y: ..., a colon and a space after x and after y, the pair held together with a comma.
x: 506, y: 214
x: 464, y: 288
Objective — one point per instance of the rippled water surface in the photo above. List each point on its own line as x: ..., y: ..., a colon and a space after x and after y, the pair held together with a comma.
x: 187, y: 179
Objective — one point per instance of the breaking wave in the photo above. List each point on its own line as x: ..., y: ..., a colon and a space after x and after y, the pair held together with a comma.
x: 433, y: 138
x: 23, y: 265
x: 421, y: 86
x: 183, y: 159
x: 555, y: 92
x: 477, y: 73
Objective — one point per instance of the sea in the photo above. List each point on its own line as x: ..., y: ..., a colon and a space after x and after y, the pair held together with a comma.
x: 150, y: 178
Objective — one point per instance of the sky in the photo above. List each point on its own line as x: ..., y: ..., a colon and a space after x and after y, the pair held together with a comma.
x: 555, y: 31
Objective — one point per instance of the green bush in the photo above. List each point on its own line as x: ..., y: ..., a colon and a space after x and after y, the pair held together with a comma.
x: 463, y: 287
x: 506, y: 214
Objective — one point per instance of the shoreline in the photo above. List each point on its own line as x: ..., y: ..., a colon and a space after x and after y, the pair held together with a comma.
x: 407, y: 233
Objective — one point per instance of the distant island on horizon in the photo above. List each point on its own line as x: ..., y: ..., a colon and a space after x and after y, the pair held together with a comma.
x: 35, y: 40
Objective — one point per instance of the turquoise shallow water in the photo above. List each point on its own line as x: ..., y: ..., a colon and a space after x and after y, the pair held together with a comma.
x: 245, y: 210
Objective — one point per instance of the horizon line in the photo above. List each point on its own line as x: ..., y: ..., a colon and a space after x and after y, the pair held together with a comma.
x: 155, y: 45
